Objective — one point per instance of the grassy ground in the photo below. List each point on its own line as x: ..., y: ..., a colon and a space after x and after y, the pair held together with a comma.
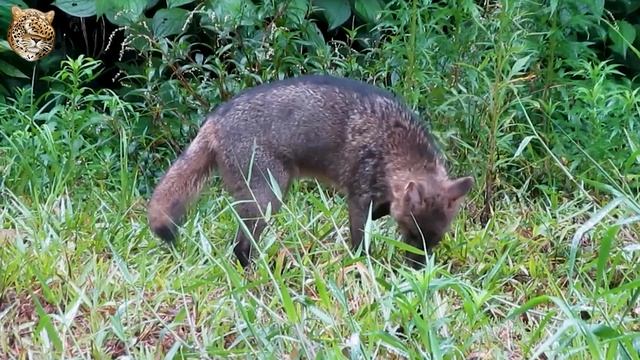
x: 553, y: 274
x: 82, y: 277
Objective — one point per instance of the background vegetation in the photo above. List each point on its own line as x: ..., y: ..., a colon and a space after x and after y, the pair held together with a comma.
x: 537, y: 99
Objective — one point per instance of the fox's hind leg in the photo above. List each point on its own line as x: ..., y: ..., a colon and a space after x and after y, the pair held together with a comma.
x: 252, y: 200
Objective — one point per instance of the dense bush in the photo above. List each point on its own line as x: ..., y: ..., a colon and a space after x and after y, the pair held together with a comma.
x: 500, y: 78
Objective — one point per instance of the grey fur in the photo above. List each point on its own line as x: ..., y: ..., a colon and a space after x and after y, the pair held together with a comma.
x: 349, y: 134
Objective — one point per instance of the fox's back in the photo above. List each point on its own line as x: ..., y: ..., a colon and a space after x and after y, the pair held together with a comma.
x: 346, y: 132
x: 307, y: 118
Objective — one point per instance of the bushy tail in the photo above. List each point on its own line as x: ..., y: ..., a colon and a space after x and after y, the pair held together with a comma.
x: 182, y: 184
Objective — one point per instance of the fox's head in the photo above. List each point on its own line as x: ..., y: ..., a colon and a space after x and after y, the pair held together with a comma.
x: 424, y: 210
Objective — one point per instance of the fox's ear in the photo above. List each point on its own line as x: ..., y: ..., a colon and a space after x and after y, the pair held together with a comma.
x: 413, y: 195
x: 459, y: 187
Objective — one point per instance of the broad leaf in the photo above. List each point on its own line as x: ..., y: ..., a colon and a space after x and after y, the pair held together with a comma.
x: 621, y: 37
x: 596, y: 6
x: 10, y: 70
x: 176, y: 3
x: 121, y: 12
x: 631, y: 5
x: 336, y: 12
x: 232, y: 13
x: 79, y: 8
x: 297, y: 11
x: 519, y: 66
x: 169, y: 21
x: 5, y: 14
x: 604, y: 331
x: 4, y: 46
x: 368, y: 10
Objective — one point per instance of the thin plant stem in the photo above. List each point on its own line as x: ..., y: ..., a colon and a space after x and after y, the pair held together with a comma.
x: 33, y: 82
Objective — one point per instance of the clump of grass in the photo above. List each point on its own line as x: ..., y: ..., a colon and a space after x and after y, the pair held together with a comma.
x: 88, y: 279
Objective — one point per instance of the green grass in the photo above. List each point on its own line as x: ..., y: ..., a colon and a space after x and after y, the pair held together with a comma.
x: 82, y: 276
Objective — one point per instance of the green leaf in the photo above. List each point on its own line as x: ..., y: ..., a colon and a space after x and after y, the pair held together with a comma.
x: 233, y: 12
x: 321, y: 289
x: 11, y: 70
x: 3, y: 91
x: 314, y: 34
x: 434, y: 343
x: 404, y: 246
x: 79, y: 8
x: 604, y: 332
x: 45, y: 323
x: 519, y: 66
x: 5, y: 14
x: 121, y: 12
x: 596, y: 7
x: 297, y: 10
x: 523, y: 144
x: 528, y: 305
x: 553, y: 6
x: 368, y: 10
x: 584, y: 228
x: 631, y: 5
x: 287, y: 303
x: 622, y: 35
x: 176, y: 3
x: 116, y: 326
x: 605, y: 250
x: 336, y: 12
x: 275, y: 186
x: 169, y: 21
x: 471, y: 7
x: 392, y: 341
x: 4, y: 46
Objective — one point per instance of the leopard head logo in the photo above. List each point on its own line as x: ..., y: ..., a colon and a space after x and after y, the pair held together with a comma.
x: 31, y: 34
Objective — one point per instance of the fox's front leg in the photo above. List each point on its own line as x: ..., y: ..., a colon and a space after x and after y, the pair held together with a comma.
x: 380, y: 210
x: 358, y: 212
x: 357, y: 220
